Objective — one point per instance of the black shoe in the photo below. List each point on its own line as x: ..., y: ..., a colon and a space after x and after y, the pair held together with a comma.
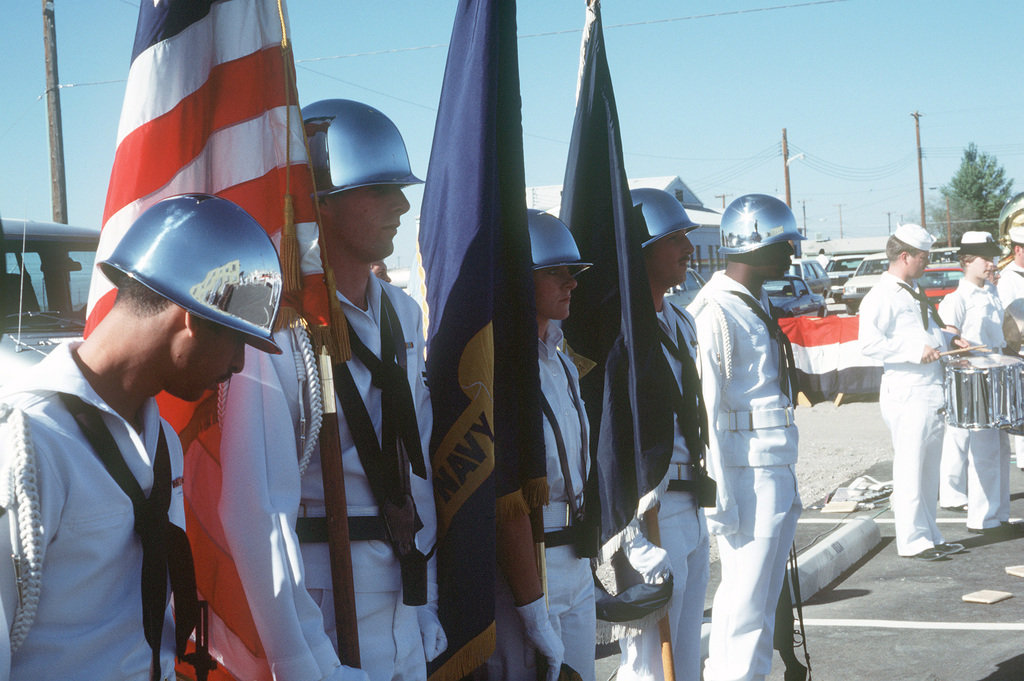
x: 949, y: 549
x: 934, y: 553
x: 956, y: 509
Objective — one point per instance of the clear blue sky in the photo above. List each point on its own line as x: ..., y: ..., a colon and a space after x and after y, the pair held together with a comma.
x: 701, y: 97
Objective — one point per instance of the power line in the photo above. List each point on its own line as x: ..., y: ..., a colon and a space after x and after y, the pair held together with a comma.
x: 578, y: 31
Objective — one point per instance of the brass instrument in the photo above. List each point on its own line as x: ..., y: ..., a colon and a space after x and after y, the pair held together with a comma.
x: 1012, y: 215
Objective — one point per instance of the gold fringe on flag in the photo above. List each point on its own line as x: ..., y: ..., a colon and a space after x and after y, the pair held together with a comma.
x: 536, y: 492
x: 511, y: 505
x: 290, y: 261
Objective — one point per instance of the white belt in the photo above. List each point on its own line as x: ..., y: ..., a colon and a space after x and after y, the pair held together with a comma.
x: 752, y: 420
x: 558, y: 514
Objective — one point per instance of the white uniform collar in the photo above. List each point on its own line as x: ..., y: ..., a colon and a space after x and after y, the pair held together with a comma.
x: 894, y: 282
x: 549, y: 344
x: 373, y: 293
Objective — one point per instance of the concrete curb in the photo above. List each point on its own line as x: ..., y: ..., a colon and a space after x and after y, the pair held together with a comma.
x: 822, y: 564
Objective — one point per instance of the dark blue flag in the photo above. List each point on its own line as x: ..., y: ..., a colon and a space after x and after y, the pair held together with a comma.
x: 613, y: 322
x: 482, y: 328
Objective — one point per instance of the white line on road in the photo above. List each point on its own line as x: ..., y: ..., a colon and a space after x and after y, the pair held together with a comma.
x: 897, y: 624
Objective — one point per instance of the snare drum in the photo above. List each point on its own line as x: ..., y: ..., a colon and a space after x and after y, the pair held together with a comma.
x: 984, y: 391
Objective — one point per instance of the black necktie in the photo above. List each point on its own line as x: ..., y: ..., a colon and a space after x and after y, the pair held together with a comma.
x: 688, y: 402
x: 165, y: 547
x: 787, y: 365
x: 926, y: 307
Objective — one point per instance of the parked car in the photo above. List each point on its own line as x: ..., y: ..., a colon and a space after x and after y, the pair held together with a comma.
x: 44, y: 289
x: 812, y: 273
x: 867, y: 275
x: 684, y: 294
x: 839, y: 269
x: 938, y: 281
x: 794, y: 298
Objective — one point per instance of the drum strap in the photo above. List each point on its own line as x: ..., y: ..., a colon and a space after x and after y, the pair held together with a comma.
x: 926, y: 307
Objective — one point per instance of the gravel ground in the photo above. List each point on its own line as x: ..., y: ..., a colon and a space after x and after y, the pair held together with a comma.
x: 837, y: 444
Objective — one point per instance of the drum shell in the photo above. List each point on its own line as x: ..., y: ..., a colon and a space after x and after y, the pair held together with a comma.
x: 984, y: 392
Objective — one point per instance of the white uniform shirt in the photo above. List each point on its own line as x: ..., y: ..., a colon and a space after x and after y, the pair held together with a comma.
x: 976, y: 312
x: 891, y: 331
x: 1011, y: 284
x: 554, y: 383
x: 263, y: 492
x: 89, y: 619
x: 753, y: 385
x: 671, y: 318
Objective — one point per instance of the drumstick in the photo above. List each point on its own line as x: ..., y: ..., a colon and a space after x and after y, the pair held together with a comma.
x: 962, y: 350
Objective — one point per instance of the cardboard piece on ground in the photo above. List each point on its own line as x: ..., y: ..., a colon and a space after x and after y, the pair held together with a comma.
x: 1015, y: 570
x: 840, y: 507
x: 987, y: 596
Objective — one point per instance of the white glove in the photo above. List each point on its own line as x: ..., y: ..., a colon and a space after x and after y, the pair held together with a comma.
x: 649, y: 560
x: 723, y: 523
x: 431, y: 631
x: 344, y: 673
x: 542, y: 636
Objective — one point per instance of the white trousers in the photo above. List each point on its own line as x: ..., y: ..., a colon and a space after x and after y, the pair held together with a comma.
x: 390, y: 646
x: 753, y: 571
x: 953, y: 469
x: 684, y: 536
x: 913, y: 419
x: 571, y: 610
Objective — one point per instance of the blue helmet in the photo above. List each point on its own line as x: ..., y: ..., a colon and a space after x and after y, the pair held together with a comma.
x: 756, y: 220
x: 354, y: 145
x: 663, y: 213
x: 551, y: 243
x: 208, y: 256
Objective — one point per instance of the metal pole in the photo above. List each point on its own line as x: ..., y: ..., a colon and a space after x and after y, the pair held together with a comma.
x: 920, y: 170
x: 840, y: 206
x: 785, y: 166
x: 949, y: 231
x: 58, y: 190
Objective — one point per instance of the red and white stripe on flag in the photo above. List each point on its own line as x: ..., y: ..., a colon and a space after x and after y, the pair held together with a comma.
x: 828, y: 357
x: 212, y: 109
x: 206, y: 110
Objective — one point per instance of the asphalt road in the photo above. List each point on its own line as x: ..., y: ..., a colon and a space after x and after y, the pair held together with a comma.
x: 889, y: 617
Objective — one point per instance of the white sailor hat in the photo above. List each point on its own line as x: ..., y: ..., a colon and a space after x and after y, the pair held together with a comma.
x: 1016, y: 235
x: 915, y: 236
x: 979, y: 243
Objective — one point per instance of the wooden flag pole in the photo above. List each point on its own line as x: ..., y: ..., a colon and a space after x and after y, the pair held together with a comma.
x: 337, y: 521
x: 664, y: 629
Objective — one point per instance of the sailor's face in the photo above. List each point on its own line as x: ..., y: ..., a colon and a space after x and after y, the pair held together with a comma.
x: 364, y: 221
x: 209, y: 356
x: 667, y: 259
x: 777, y: 259
x: 916, y: 263
x: 552, y: 290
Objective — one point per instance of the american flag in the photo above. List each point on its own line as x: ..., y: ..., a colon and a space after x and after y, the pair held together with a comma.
x: 211, y: 106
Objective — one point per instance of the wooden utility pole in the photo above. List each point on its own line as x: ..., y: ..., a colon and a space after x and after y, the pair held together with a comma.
x: 722, y: 196
x: 840, y: 206
x: 785, y: 166
x: 920, y: 170
x: 889, y: 213
x: 949, y: 230
x: 58, y: 189
x: 804, y: 203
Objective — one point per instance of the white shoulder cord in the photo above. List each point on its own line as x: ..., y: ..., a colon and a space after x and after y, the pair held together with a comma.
x: 723, y: 354
x: 309, y: 391
x: 20, y: 496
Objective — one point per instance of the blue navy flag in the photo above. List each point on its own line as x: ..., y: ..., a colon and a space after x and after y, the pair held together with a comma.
x: 613, y: 321
x: 482, y: 328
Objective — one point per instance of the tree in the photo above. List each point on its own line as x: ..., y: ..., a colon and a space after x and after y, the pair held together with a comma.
x: 975, y: 195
